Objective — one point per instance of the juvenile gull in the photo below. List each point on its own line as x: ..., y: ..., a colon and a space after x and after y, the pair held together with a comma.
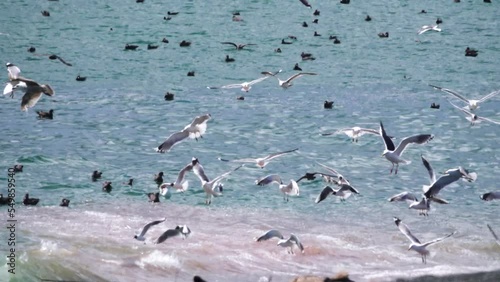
x: 334, y: 176
x: 415, y: 243
x: 180, y: 184
x: 354, y: 133
x: 193, y: 130
x: 141, y: 232
x: 179, y: 230
x: 393, y: 153
x: 260, y: 162
x: 344, y: 192
x: 245, y: 86
x: 472, y: 104
x: 490, y: 196
x: 288, y: 82
x: 289, y: 243
x: 33, y: 93
x: 473, y: 118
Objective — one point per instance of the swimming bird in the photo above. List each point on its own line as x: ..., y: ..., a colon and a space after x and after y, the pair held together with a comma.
x: 5, y: 201
x: 403, y: 196
x: 345, y: 1
x: 426, y: 28
x: 316, y: 12
x: 45, y: 115
x: 368, y: 18
x: 194, y: 130
x: 151, y: 47
x: 169, y: 96
x: 354, y: 132
x: 81, y: 78
x: 158, y: 178
x: 130, y: 182
x: 260, y: 162
x: 33, y: 93
x: 393, y: 153
x: 344, y: 192
x: 469, y: 52
x: 490, y: 196
x: 450, y: 176
x: 435, y: 106
x: 415, y: 243
x: 245, y: 86
x: 172, y: 13
x: 296, y: 67
x: 285, y: 42
x: 328, y: 104
x: 180, y: 183
x: 439, y: 21
x: 142, y: 232
x: 287, y: 83
x: 493, y: 233
x: 18, y: 168
x: 289, y: 243
x: 472, y: 104
x: 304, y: 24
x: 316, y: 34
x: 179, y: 230
x: 383, y: 34
x: 306, y: 3
x: 64, y: 203
x: 131, y: 47
x: 154, y: 197
x: 45, y: 13
x: 27, y: 201
x: 472, y: 117
x: 229, y: 59
x: 106, y: 186
x: 238, y: 46
x: 185, y: 43
x: 190, y: 73
x: 96, y: 175
x: 210, y: 186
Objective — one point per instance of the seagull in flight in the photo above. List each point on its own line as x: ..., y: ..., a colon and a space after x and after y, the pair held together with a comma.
x: 344, y: 192
x: 337, y: 178
x: 415, y: 243
x: 289, y: 243
x: 238, y: 46
x: 33, y: 93
x: 450, y: 176
x: 426, y: 28
x: 179, y: 230
x: 142, y: 232
x: 245, y: 86
x: 13, y: 74
x: 260, y: 162
x: 393, y: 153
x: 180, y: 183
x: 193, y: 130
x: 210, y: 186
x: 290, y: 189
x: 473, y: 118
x: 354, y: 133
x: 287, y: 83
x: 472, y: 104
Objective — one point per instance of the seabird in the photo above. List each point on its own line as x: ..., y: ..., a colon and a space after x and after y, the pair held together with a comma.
x: 289, y: 243
x: 472, y: 103
x: 141, y: 232
x: 154, y: 197
x: 415, y: 243
x: 287, y: 83
x: 344, y: 192
x: 435, y: 106
x: 393, y: 153
x: 306, y: 3
x: 290, y: 189
x: 285, y: 42
x: 316, y: 12
x: 426, y: 28
x: 245, y: 86
x: 354, y: 132
x: 470, y: 52
x: 106, y: 186
x: 81, y: 78
x: 45, y: 13
x: 54, y: 57
x: 383, y: 34
x: 33, y: 92
x: 296, y: 67
x: 180, y: 183
x: 472, y: 117
x: 64, y: 203
x: 131, y: 47
x: 238, y: 46
x: 5, y: 201
x: 151, y: 46
x: 179, y: 230
x: 229, y: 59
x: 490, y: 196
x: 210, y: 186
x: 96, y: 175
x: 190, y: 73
x: 194, y: 130
x: 158, y: 178
x: 169, y: 96
x: 368, y: 18
x: 45, y: 115
x: 328, y: 104
x: 260, y: 162
x: 27, y: 201
x: 18, y: 168
x: 185, y: 43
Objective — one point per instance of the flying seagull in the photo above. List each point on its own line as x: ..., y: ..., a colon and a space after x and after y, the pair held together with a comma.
x: 393, y: 153
x: 415, y: 243
x: 33, y: 93
x: 289, y: 243
x: 245, y: 86
x: 287, y: 83
x: 141, y: 232
x: 180, y: 184
x: 343, y: 192
x: 472, y: 104
x: 260, y: 162
x: 238, y: 46
x: 179, y: 230
x: 193, y: 130
x: 426, y: 28
x: 473, y: 118
x: 354, y: 133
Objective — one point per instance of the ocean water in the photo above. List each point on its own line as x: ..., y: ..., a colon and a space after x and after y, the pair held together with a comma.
x: 112, y: 121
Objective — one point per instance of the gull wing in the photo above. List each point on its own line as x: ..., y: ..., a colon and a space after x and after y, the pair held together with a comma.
x: 438, y: 200
x: 424, y: 29
x: 229, y: 86
x: 389, y: 145
x: 231, y: 43
x: 488, y: 119
x: 324, y: 193
x: 443, y: 181
x: 14, y: 72
x: 417, y: 139
x: 147, y: 226
x: 406, y: 231
x: 30, y: 98
x: 461, y: 109
x: 438, y: 239
x: 167, y: 234
x: 297, y: 75
x: 200, y: 172
x: 492, y: 94
x: 449, y: 91
x: 182, y: 173
x: 222, y: 176
x: 8, y: 88
x: 270, y: 73
x: 404, y: 196
x: 428, y: 166
x: 306, y: 3
x: 270, y: 234
x: 258, y: 80
x: 269, y: 179
x: 275, y: 155
x: 172, y: 140
x: 295, y: 239
x: 200, y: 119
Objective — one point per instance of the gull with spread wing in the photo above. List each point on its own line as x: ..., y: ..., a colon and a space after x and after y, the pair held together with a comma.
x: 245, y: 86
x: 142, y: 232
x: 260, y: 162
x: 194, y: 130
x: 179, y: 230
x: 344, y: 192
x: 289, y: 243
x: 426, y: 28
x: 287, y: 83
x: 472, y: 104
x: 354, y: 133
x: 393, y: 153
x: 180, y: 183
x: 415, y: 243
x: 238, y: 46
x: 473, y: 118
x: 290, y: 189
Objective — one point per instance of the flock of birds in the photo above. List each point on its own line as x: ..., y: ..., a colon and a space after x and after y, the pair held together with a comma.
x: 213, y: 187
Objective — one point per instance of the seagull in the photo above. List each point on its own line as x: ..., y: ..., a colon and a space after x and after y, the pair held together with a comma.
x: 403, y: 196
x: 210, y: 186
x: 490, y: 196
x: 494, y: 235
x: 393, y: 154
x: 238, y: 46
x: 260, y: 162
x: 288, y: 243
x: 180, y: 184
x: 427, y: 28
x: 450, y: 176
x: 473, y: 118
x: 290, y: 189
x: 13, y: 74
x: 344, y: 192
x: 423, y: 206
x: 33, y: 91
x: 179, y: 230
x: 472, y: 104
x: 354, y: 133
x: 194, y: 130
x: 415, y: 243
x: 306, y: 3
x: 245, y: 86
x: 287, y: 83
x: 141, y: 232
x: 336, y: 178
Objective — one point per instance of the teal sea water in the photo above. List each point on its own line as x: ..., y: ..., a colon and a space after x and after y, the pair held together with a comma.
x: 112, y: 121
